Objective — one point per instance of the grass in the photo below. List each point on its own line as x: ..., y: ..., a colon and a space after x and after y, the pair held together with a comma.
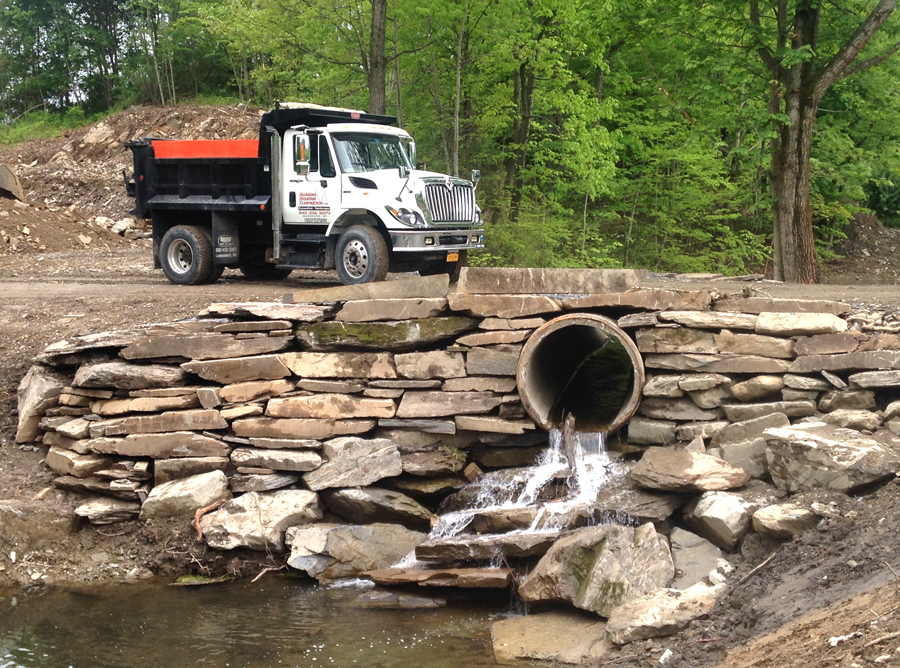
x: 42, y: 124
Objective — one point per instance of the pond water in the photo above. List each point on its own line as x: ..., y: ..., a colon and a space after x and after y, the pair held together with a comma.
x: 278, y: 621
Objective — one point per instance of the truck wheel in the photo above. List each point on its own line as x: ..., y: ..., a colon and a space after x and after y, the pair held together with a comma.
x: 186, y: 255
x: 362, y: 256
x: 257, y: 269
x: 215, y: 273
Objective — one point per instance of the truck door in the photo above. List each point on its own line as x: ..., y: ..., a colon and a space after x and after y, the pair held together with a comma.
x: 309, y: 197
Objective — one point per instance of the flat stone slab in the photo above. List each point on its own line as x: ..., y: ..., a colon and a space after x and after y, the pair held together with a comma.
x: 185, y: 496
x: 270, y: 310
x: 254, y: 326
x: 370, y: 310
x: 108, y: 511
x: 500, y: 360
x: 429, y: 365
x: 675, y: 409
x: 502, y: 306
x: 558, y: 637
x: 742, y: 412
x: 427, y: 426
x: 67, y: 462
x: 165, y: 470
x: 355, y: 462
x: 440, y: 404
x: 403, y: 288
x: 776, y: 305
x: 369, y: 505
x: 710, y: 319
x: 299, y: 428
x: 161, y: 446
x: 799, y: 324
x: 500, y: 280
x: 647, y: 299
x: 676, y: 340
x: 394, y: 335
x: 125, y: 376
x: 464, y: 578
x: 277, y: 460
x: 752, y: 364
x: 262, y: 367
x: 331, y: 407
x: 38, y: 391
x: 493, y: 424
x: 875, y: 379
x: 486, y: 547
x: 682, y: 471
x: 143, y: 404
x: 493, y: 337
x: 340, y: 365
x: 480, y: 384
x: 754, y: 344
x: 190, y: 420
x: 202, y: 347
x: 829, y: 344
x: 253, y: 389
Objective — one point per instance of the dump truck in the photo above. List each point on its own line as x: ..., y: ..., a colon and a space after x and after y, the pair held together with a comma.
x: 322, y: 188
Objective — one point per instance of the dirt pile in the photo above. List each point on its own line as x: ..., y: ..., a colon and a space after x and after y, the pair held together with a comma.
x: 868, y: 255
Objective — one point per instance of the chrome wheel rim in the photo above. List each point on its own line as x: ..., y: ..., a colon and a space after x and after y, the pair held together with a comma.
x: 355, y: 259
x: 179, y: 256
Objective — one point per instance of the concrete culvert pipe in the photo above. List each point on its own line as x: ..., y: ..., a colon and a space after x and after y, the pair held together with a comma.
x: 581, y: 364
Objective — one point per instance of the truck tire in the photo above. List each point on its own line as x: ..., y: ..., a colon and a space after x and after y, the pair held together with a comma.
x: 361, y: 256
x: 186, y: 255
x: 215, y: 273
x: 257, y: 269
x: 452, y: 269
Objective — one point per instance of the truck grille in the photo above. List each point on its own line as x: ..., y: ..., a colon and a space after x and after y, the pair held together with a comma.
x: 453, y: 205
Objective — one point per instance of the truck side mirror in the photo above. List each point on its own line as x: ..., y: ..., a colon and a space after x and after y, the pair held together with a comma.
x: 476, y: 177
x: 301, y: 154
x: 411, y: 153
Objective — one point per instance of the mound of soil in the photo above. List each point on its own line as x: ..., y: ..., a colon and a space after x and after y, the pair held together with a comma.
x: 869, y: 254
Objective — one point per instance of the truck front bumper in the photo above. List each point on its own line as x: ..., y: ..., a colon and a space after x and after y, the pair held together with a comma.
x: 436, y: 240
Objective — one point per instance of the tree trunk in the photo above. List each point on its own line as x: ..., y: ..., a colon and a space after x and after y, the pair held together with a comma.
x: 377, y: 58
x: 523, y: 94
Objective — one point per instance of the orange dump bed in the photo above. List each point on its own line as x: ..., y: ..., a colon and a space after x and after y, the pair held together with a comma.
x: 206, y: 148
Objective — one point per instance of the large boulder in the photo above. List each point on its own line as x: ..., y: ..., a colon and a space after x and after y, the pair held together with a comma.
x: 37, y: 392
x: 258, y: 520
x: 560, y: 636
x: 186, y: 495
x: 816, y: 455
x: 784, y: 520
x: 663, y: 613
x: 683, y: 471
x: 600, y: 567
x: 720, y: 517
x: 332, y: 551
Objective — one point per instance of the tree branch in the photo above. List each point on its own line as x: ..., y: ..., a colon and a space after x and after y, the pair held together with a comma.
x: 764, y: 54
x: 871, y: 62
x: 837, y: 66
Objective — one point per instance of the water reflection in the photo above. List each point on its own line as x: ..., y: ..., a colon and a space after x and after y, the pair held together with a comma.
x: 276, y: 622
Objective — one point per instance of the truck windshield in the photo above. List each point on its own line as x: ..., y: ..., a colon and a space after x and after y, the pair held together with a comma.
x: 360, y: 152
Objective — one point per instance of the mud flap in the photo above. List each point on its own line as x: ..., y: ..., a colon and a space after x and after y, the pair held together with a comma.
x: 226, y: 238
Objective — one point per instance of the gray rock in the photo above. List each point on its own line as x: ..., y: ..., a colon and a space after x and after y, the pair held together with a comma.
x: 466, y: 547
x: 799, y: 324
x: 748, y: 455
x: 823, y: 456
x: 434, y: 364
x: 741, y: 413
x: 332, y: 386
x: 560, y: 636
x: 875, y: 379
x: 330, y: 407
x: 165, y: 470
x: 189, y: 420
x: 694, y: 557
x: 852, y: 419
x: 277, y: 460
x: 598, y: 568
x: 677, y: 409
x: 271, y: 310
x: 492, y: 324
x: 662, y: 613
x: 480, y: 384
x: 850, y: 399
x: 702, y: 381
x: 258, y: 520
x: 495, y: 425
x: 392, y: 600
x: 834, y: 380
x: 785, y: 520
x: 340, y: 365
x: 143, y: 404
x: 754, y: 344
x: 829, y: 344
x: 644, y: 431
x: 370, y: 310
x: 161, y: 446
x: 333, y: 551
x: 108, y: 511
x: 414, y: 287
x: 37, y: 392
x: 712, y: 398
x: 299, y: 428
x: 497, y: 280
x: 758, y: 388
x: 395, y: 336
x: 725, y: 364
x: 710, y: 319
x: 787, y: 394
x: 67, y: 462
x: 877, y: 359
x: 239, y: 370
x: 201, y: 347
x: 502, y: 306
x: 493, y: 338
x: 254, y: 389
x: 439, y: 404
x: 682, y: 471
x: 503, y: 457
x: 355, y: 462
x: 371, y: 505
x: 704, y: 430
x: 499, y: 360
x: 805, y: 383
x: 185, y: 496
x: 126, y: 376
x: 261, y: 482
x: 663, y: 386
x: 675, y: 340
x: 776, y: 305
x: 720, y: 517
x: 748, y: 430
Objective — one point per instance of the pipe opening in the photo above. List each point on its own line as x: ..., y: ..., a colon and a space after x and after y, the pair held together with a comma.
x: 581, y: 364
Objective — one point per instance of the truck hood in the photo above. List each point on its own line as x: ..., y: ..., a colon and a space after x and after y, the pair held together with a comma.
x: 388, y: 180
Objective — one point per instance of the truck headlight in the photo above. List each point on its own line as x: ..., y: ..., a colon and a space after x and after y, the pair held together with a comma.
x: 407, y: 216
x: 477, y: 215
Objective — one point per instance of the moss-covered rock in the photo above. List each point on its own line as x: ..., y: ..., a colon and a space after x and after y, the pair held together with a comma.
x: 393, y: 335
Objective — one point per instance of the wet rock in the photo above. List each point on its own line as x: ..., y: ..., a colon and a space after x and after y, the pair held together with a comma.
x: 847, y: 399
x: 340, y: 365
x: 560, y: 637
x: 743, y: 412
x: 371, y: 505
x: 67, y: 462
x: 394, y: 336
x: 393, y: 600
x: 823, y: 456
x: 502, y: 306
x: 859, y: 420
x: 434, y: 364
x: 644, y: 431
x: 720, y: 517
x: 355, y: 462
x: 694, y: 557
x: 201, y: 347
x: 332, y: 551
x: 682, y: 471
x: 37, y: 392
x: 677, y: 409
x: 875, y: 379
x: 426, y: 487
x: 754, y: 344
x: 126, y: 376
x: 468, y: 548
x: 165, y: 470
x: 710, y: 319
x: 331, y: 407
x: 370, y: 310
x: 675, y: 340
x: 254, y: 389
x: 463, y: 578
x: 439, y: 404
x: 501, y: 360
x: 503, y: 457
x: 258, y: 520
x: 661, y: 613
x: 757, y: 388
x: 185, y: 496
x: 261, y: 367
x: 108, y: 511
x: 598, y: 568
x: 277, y: 460
x: 785, y: 520
x: 299, y: 428
x: 663, y: 386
